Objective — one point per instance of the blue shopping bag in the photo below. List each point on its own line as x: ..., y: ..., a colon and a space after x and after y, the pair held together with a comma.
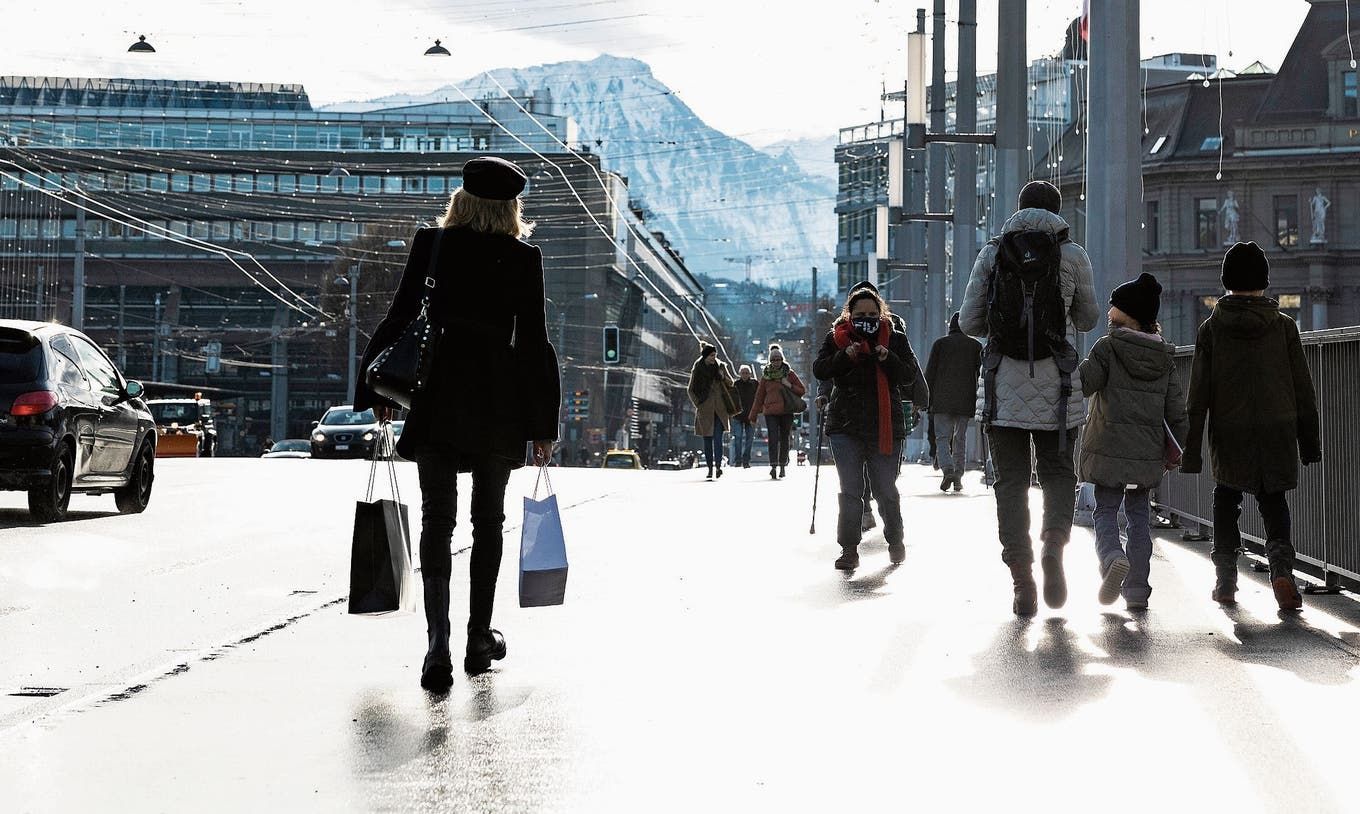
x: 542, y: 550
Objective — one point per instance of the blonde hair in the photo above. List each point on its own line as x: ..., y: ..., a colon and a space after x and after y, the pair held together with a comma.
x: 486, y: 215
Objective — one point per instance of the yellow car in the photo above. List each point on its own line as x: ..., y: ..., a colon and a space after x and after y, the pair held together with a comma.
x: 621, y: 459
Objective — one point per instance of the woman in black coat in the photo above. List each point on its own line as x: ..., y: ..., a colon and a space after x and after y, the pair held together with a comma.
x: 865, y: 419
x: 495, y: 387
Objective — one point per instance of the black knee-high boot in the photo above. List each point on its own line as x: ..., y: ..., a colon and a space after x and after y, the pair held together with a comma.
x: 437, y: 671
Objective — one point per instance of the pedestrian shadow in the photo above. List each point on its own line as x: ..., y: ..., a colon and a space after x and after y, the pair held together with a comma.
x: 1046, y: 682
x: 1288, y: 643
x: 20, y: 519
x: 866, y: 586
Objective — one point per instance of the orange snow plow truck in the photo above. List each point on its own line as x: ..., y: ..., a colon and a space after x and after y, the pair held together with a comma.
x: 185, y: 427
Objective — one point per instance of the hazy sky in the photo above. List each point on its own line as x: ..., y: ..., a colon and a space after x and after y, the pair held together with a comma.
x: 754, y: 68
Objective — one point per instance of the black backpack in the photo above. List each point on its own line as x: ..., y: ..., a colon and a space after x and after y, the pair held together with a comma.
x: 1026, y: 316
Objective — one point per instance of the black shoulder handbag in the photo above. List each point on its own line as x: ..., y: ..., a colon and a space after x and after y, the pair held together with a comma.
x: 402, y: 370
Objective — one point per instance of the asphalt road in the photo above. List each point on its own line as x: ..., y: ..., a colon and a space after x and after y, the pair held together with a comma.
x: 708, y: 658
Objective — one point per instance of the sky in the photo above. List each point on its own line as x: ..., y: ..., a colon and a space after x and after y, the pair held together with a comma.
x: 759, y: 70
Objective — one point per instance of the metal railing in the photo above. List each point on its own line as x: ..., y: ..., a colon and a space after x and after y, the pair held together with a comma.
x: 1325, y: 508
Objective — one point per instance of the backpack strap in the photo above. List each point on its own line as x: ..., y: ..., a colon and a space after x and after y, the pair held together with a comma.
x: 1066, y: 359
x: 991, y: 362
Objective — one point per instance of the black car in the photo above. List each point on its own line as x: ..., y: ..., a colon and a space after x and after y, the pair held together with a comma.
x: 70, y: 422
x: 344, y: 432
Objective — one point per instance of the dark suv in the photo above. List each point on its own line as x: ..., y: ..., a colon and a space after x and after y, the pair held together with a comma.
x: 344, y: 432
x: 70, y: 422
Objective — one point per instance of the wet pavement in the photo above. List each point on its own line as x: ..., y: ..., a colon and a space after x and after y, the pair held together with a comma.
x: 708, y: 658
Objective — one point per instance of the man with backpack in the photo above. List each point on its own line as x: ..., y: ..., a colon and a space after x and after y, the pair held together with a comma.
x: 1030, y: 293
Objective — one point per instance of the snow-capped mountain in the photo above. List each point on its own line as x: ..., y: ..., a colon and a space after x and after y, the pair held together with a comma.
x: 715, y: 197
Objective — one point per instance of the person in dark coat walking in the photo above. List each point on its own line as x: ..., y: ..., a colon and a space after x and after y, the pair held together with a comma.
x: 865, y: 419
x: 710, y: 391
x: 495, y: 387
x: 1130, y: 377
x: 1251, y: 380
x: 952, y: 375
x: 743, y: 428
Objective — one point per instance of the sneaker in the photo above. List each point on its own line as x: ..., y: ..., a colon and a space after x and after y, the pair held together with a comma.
x: 848, y: 560
x: 867, y: 521
x: 897, y: 552
x: 1113, y: 581
x: 1286, y: 593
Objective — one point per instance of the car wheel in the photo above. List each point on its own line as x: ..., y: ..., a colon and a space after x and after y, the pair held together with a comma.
x: 49, y: 501
x: 134, y: 497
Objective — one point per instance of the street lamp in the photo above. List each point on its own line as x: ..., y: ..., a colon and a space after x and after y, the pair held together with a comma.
x: 141, y: 46
x: 437, y: 50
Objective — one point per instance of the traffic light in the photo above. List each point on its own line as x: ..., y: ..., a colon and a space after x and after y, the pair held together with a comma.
x: 611, y: 345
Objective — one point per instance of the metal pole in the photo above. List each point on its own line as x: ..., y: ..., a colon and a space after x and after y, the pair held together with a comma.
x: 122, y: 348
x: 156, y: 342
x: 39, y: 301
x: 278, y: 375
x: 915, y: 232
x: 936, y: 292
x: 78, y: 284
x: 1113, y: 198
x: 965, y: 159
x: 1012, y: 109
x: 353, y: 328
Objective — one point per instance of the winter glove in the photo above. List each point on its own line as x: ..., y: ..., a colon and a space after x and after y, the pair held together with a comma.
x: 1191, y: 463
x: 1310, y: 454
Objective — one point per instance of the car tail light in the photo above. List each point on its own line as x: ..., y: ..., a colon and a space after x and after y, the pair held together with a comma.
x: 35, y: 403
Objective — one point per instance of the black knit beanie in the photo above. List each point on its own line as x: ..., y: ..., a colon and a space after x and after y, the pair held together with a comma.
x: 705, y: 349
x: 1140, y: 299
x: 1041, y: 195
x: 1245, y: 268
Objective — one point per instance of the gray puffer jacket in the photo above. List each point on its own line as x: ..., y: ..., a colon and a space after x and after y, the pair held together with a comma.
x: 1131, y: 380
x: 1023, y: 401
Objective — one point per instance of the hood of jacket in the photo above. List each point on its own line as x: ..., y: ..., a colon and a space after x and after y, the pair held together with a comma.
x: 1246, y: 317
x: 1144, y: 356
x: 954, y: 324
x: 1035, y: 220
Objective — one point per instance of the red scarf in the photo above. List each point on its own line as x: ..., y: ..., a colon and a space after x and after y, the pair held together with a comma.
x: 844, y: 335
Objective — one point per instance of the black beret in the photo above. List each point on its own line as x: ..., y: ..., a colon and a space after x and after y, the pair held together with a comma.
x: 1245, y: 268
x: 493, y: 178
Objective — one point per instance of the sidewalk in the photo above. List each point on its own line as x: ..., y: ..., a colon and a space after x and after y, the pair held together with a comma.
x: 709, y: 658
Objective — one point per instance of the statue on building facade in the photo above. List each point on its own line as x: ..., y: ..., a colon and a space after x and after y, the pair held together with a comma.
x: 1231, y: 219
x: 1319, y: 204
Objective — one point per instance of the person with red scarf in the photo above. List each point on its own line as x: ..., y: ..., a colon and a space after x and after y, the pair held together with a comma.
x: 865, y: 420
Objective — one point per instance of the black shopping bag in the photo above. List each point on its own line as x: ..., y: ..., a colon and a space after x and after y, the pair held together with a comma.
x: 380, y: 575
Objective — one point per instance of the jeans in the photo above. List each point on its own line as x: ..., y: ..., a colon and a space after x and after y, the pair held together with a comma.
x: 951, y: 440
x: 1274, y: 510
x: 855, y: 457
x: 779, y: 427
x: 438, y: 507
x: 713, y: 447
x: 1108, y: 548
x: 1011, y: 456
x: 743, y: 433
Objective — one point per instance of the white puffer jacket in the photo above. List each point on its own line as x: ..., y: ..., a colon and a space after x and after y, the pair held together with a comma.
x: 1023, y: 401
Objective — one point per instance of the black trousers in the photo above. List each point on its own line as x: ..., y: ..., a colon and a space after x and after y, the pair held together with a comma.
x: 438, y: 507
x: 1057, y: 476
x: 1274, y: 510
x: 779, y: 427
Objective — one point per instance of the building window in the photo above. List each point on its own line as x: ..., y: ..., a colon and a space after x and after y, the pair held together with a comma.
x: 201, y: 182
x: 240, y: 230
x: 330, y: 183
x: 9, y: 227
x: 350, y: 183
x: 159, y: 182
x: 349, y: 230
x: 1348, y: 95
x: 1152, y: 227
x: 221, y: 229
x: 221, y: 182
x: 199, y: 230
x: 306, y: 230
x: 264, y: 182
x: 1206, y: 223
x: 435, y: 184
x: 180, y: 228
x: 372, y: 184
x: 307, y: 183
x: 283, y: 230
x: 263, y: 230
x: 245, y: 182
x: 392, y: 183
x: 287, y: 183
x: 179, y: 182
x: 1287, y: 220
x: 326, y: 231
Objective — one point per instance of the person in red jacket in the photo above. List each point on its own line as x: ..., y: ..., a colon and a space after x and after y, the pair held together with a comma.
x: 777, y: 383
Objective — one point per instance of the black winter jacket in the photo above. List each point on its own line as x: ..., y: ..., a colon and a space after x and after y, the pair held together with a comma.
x: 854, y: 398
x: 496, y: 384
x: 952, y: 372
x: 746, y: 394
x: 1251, y: 380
